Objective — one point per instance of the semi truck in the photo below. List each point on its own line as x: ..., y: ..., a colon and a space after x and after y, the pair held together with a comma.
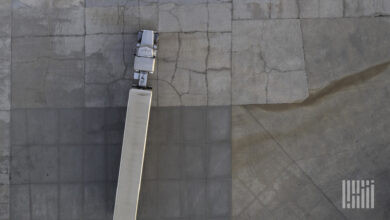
x: 136, y: 127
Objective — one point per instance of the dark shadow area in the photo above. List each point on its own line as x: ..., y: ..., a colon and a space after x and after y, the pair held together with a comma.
x: 65, y: 163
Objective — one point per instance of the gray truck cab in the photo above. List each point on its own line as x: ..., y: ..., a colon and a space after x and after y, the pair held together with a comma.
x: 145, y: 57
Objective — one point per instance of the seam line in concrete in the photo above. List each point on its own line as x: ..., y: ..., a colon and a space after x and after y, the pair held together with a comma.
x: 294, y: 162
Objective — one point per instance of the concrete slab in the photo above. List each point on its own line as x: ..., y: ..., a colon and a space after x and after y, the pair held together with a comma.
x: 71, y: 200
x: 5, y: 18
x: 5, y: 139
x: 133, y: 150
x: 5, y: 73
x: 44, y: 201
x: 321, y: 8
x: 264, y: 9
x: 20, y: 202
x: 354, y: 45
x: 183, y: 18
x: 263, y: 50
x: 115, y: 20
x: 55, y: 67
x: 359, y: 8
x: 43, y: 18
x: 5, y: 166
x: 104, y: 58
x: 220, y: 17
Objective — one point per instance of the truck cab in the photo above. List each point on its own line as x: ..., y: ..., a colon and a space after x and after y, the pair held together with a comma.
x: 145, y: 57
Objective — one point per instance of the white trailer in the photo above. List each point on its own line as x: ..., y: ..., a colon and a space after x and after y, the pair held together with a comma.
x: 132, y: 157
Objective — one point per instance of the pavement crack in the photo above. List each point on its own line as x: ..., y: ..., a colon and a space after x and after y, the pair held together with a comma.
x: 174, y: 89
x: 177, y: 57
x: 124, y: 57
x: 120, y: 17
x: 304, y: 54
x: 176, y: 17
x: 122, y: 9
x: 298, y: 8
x: 344, y: 7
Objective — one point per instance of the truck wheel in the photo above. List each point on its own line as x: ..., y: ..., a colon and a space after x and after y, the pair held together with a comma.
x: 156, y: 38
x: 139, y: 36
